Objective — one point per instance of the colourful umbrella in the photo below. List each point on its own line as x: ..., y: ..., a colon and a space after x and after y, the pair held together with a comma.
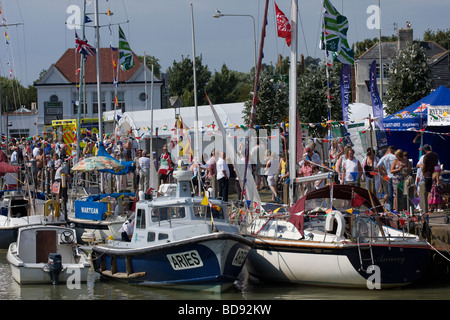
x: 98, y: 163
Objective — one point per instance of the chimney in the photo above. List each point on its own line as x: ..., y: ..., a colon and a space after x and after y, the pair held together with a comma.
x: 405, y: 37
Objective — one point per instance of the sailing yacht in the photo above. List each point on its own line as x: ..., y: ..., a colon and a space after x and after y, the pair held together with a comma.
x: 332, y: 236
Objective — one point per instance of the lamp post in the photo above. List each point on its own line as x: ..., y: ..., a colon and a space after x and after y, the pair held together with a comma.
x: 219, y: 14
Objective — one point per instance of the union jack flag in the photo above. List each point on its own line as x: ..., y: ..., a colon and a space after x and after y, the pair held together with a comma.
x: 83, y: 47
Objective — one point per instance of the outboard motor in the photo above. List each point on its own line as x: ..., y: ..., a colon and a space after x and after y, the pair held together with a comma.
x: 55, y: 266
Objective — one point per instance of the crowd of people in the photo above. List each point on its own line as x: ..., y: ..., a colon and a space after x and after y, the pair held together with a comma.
x: 389, y: 176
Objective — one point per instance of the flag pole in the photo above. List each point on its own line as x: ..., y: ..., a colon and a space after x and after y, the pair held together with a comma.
x: 293, y: 103
x: 328, y: 96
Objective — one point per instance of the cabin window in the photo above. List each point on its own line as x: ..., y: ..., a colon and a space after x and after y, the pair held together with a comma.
x: 201, y: 211
x: 140, y: 219
x: 151, y: 236
x: 177, y: 212
x: 167, y: 213
x: 159, y: 214
x: 163, y: 236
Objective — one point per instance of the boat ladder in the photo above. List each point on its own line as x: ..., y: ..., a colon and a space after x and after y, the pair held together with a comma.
x: 365, y: 256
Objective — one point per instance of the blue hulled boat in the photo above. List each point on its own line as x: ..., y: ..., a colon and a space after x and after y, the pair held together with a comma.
x: 177, y: 242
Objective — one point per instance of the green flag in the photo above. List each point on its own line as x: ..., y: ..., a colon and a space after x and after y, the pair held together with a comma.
x: 334, y: 34
x: 126, y: 60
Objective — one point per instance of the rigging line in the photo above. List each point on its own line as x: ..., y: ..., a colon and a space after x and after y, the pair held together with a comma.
x: 11, y: 57
x: 318, y: 31
x: 303, y: 32
x: 24, y: 44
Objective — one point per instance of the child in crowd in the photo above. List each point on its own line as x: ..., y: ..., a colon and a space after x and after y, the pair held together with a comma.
x: 436, y: 196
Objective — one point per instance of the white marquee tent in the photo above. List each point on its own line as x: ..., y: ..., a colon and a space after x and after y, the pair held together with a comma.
x: 138, y: 123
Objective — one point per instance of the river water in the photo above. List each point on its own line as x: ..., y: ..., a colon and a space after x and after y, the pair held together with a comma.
x: 245, y: 290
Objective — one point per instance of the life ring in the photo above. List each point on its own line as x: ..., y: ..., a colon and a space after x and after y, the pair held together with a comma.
x: 55, y: 205
x: 335, y: 215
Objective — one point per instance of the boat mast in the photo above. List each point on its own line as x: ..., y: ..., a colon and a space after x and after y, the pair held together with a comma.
x: 197, y: 156
x: 293, y: 102
x: 99, y: 97
x: 80, y: 95
x: 255, y: 93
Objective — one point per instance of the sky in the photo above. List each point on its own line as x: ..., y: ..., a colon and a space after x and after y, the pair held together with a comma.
x: 163, y: 29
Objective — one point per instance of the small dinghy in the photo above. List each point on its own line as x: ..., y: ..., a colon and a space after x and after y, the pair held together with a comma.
x: 47, y: 254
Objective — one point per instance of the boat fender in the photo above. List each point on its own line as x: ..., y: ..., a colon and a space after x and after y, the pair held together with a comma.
x: 335, y: 215
x: 55, y: 205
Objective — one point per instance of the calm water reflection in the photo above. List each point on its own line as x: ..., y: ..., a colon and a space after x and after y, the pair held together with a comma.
x: 97, y: 289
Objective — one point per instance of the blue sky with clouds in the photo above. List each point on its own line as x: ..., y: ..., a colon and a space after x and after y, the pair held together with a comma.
x: 162, y: 28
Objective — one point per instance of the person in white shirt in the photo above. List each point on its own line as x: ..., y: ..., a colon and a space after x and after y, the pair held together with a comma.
x: 36, y: 150
x: 223, y: 176
x: 352, y: 169
x: 271, y: 170
x: 14, y: 155
x: 384, y: 167
x: 144, y: 171
x: 127, y: 230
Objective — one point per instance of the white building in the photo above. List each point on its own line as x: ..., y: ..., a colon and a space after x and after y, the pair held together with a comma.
x: 58, y: 92
x: 21, y: 123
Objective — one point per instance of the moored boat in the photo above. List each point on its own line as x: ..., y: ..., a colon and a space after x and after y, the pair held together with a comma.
x: 99, y: 217
x: 177, y: 242
x: 47, y: 254
x: 19, y: 208
x: 346, y: 246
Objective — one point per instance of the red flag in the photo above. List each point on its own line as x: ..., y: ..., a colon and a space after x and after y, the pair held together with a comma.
x: 283, y: 26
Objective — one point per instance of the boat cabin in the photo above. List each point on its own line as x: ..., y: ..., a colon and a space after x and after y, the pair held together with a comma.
x: 35, y: 244
x: 165, y: 220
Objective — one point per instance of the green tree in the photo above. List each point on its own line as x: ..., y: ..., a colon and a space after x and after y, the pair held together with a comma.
x: 273, y: 99
x: 14, y: 95
x: 152, y: 61
x: 409, y: 79
x: 222, y: 88
x: 441, y: 37
x: 181, y: 80
x: 312, y: 94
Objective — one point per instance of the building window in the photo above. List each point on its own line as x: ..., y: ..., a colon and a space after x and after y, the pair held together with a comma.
x: 95, y: 102
x: 385, y: 70
x: 143, y: 96
x: 19, y: 133
x: 54, y: 98
x: 120, y: 101
x: 75, y: 97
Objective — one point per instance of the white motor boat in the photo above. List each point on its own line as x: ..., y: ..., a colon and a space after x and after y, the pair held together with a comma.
x: 345, y: 246
x: 47, y: 254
